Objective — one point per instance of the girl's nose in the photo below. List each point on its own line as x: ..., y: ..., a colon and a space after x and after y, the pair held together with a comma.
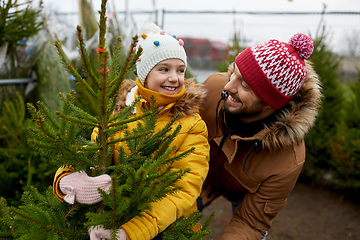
x: 172, y: 76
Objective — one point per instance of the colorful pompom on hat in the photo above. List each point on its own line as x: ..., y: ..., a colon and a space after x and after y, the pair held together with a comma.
x: 276, y: 70
x: 157, y: 46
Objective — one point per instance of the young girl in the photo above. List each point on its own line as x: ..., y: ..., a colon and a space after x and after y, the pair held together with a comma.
x: 160, y: 70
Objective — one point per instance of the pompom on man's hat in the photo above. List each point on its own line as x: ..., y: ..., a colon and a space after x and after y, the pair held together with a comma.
x: 157, y: 46
x: 276, y: 70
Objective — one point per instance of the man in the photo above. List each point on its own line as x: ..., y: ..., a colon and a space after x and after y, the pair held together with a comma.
x: 256, y: 131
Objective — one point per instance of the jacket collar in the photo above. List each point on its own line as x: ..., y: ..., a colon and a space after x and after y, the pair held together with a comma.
x: 246, y: 130
x: 188, y: 104
x: 161, y: 99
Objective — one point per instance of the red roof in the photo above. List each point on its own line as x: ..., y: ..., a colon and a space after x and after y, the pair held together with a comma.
x: 218, y: 45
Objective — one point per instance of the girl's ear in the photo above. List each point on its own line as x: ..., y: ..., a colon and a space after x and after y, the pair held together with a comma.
x: 145, y: 83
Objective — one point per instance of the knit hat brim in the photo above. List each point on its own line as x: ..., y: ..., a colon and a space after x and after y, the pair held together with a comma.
x: 150, y: 63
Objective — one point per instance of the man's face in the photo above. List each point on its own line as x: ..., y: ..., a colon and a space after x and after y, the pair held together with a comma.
x: 242, y: 101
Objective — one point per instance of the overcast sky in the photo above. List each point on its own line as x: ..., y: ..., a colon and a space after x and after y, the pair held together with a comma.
x: 228, y: 5
x: 217, y: 28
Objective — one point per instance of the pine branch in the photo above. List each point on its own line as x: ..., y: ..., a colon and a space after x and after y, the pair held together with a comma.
x: 102, y: 58
x: 102, y: 26
x: 85, y: 58
x: 66, y: 62
x: 130, y: 62
x: 126, y: 113
x: 15, y: 138
x: 42, y: 217
x: 115, y: 66
x: 42, y: 112
x: 135, y: 136
x: 6, y: 231
x: 103, y: 53
x: 76, y: 120
x: 181, y: 229
x: 81, y: 113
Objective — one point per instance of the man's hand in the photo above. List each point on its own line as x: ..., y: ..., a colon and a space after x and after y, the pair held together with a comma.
x: 99, y: 233
x: 82, y: 188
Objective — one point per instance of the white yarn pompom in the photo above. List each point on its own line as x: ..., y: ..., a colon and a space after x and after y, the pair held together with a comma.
x: 149, y: 27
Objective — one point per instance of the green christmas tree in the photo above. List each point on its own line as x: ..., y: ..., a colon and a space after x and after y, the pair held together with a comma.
x: 18, y: 21
x: 142, y: 177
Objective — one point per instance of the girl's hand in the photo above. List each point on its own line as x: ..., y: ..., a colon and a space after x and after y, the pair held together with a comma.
x: 99, y: 233
x: 84, y: 189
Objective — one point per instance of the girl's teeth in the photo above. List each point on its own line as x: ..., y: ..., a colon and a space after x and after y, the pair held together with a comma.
x: 169, y: 88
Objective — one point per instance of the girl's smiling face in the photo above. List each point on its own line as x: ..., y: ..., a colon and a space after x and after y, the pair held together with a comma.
x: 166, y: 77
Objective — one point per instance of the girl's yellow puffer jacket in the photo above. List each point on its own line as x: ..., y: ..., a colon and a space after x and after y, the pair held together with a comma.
x: 193, y: 133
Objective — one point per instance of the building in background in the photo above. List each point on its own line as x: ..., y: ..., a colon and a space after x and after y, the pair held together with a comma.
x: 205, y: 54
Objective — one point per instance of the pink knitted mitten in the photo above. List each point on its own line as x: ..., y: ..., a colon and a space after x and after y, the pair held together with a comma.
x: 99, y: 233
x: 82, y: 188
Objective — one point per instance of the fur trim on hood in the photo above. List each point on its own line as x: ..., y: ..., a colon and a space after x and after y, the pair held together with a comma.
x: 187, y: 105
x: 297, y: 117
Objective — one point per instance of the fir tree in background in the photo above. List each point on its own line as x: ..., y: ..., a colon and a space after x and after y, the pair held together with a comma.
x: 333, y: 145
x: 236, y: 47
x: 143, y: 176
x: 16, y: 26
x: 52, y: 78
x: 18, y: 22
x: 20, y: 165
x: 320, y: 138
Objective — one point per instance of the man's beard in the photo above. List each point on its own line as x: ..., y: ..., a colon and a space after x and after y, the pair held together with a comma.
x: 244, y: 112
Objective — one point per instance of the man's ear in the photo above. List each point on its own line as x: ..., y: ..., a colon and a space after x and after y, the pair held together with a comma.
x: 268, y: 107
x: 269, y: 110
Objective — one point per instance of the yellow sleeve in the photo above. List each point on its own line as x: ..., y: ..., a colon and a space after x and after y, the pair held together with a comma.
x: 172, y: 207
x: 61, y: 172
x: 94, y: 134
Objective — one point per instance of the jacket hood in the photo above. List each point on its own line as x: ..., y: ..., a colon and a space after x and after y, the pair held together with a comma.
x: 187, y: 105
x: 296, y: 118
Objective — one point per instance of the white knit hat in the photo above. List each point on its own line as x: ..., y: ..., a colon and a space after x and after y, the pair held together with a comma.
x: 157, y: 46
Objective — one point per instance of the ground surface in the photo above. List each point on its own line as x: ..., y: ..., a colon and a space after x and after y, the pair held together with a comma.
x: 310, y: 214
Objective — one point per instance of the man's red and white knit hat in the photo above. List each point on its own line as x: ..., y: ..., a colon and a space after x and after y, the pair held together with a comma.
x: 276, y: 70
